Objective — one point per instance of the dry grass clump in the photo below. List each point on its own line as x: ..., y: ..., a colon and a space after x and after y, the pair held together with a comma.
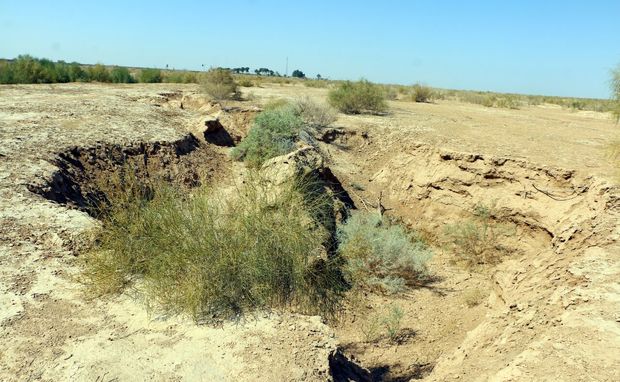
x: 216, y: 258
x: 421, y: 93
x: 219, y: 84
x: 380, y: 255
x: 358, y: 97
x: 315, y: 115
x: 474, y: 297
x: 476, y: 241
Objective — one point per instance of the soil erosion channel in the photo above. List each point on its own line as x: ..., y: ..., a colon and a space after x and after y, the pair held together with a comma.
x: 549, y: 308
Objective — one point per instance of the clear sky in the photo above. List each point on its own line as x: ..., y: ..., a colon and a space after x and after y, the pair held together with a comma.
x: 552, y: 47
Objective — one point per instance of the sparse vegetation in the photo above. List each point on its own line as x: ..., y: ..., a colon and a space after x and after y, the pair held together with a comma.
x: 390, y: 321
x: 276, y: 103
x: 358, y: 97
x: 473, y: 297
x: 476, y: 240
x: 214, y: 257
x: 180, y: 77
x: 393, y: 321
x: 382, y: 256
x: 316, y: 83
x: 246, y: 83
x: 273, y: 133
x: 219, y: 84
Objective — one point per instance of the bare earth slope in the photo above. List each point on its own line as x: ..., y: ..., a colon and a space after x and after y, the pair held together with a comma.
x: 552, y: 311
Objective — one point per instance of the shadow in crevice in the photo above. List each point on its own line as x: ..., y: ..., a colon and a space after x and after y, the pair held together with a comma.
x: 384, y: 373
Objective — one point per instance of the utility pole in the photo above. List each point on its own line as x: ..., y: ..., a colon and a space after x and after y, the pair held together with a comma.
x: 286, y: 71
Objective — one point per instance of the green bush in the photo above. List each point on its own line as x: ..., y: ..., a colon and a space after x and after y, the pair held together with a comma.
x: 121, y: 75
x: 358, y: 97
x: 273, y: 134
x: 380, y: 255
x: 420, y: 93
x: 219, y: 84
x: 214, y: 258
x: 150, y: 76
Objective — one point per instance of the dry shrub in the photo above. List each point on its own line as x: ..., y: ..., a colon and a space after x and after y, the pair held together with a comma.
x: 358, y: 97
x: 219, y: 84
x: 421, y: 93
x: 474, y: 297
x: 216, y: 257
x: 380, y: 255
x: 315, y: 115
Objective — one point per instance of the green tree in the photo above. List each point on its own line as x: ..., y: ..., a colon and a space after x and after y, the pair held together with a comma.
x: 298, y: 74
x: 6, y: 73
x: 615, y: 89
x: 76, y: 73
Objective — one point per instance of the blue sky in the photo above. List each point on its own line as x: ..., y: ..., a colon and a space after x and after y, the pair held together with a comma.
x: 538, y: 47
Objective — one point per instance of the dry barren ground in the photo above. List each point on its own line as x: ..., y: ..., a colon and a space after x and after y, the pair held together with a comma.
x: 549, y: 311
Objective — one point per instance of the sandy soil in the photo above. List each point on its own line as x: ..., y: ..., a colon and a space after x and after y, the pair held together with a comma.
x: 549, y: 311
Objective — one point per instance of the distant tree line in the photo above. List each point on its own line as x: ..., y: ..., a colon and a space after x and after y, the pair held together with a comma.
x: 26, y: 69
